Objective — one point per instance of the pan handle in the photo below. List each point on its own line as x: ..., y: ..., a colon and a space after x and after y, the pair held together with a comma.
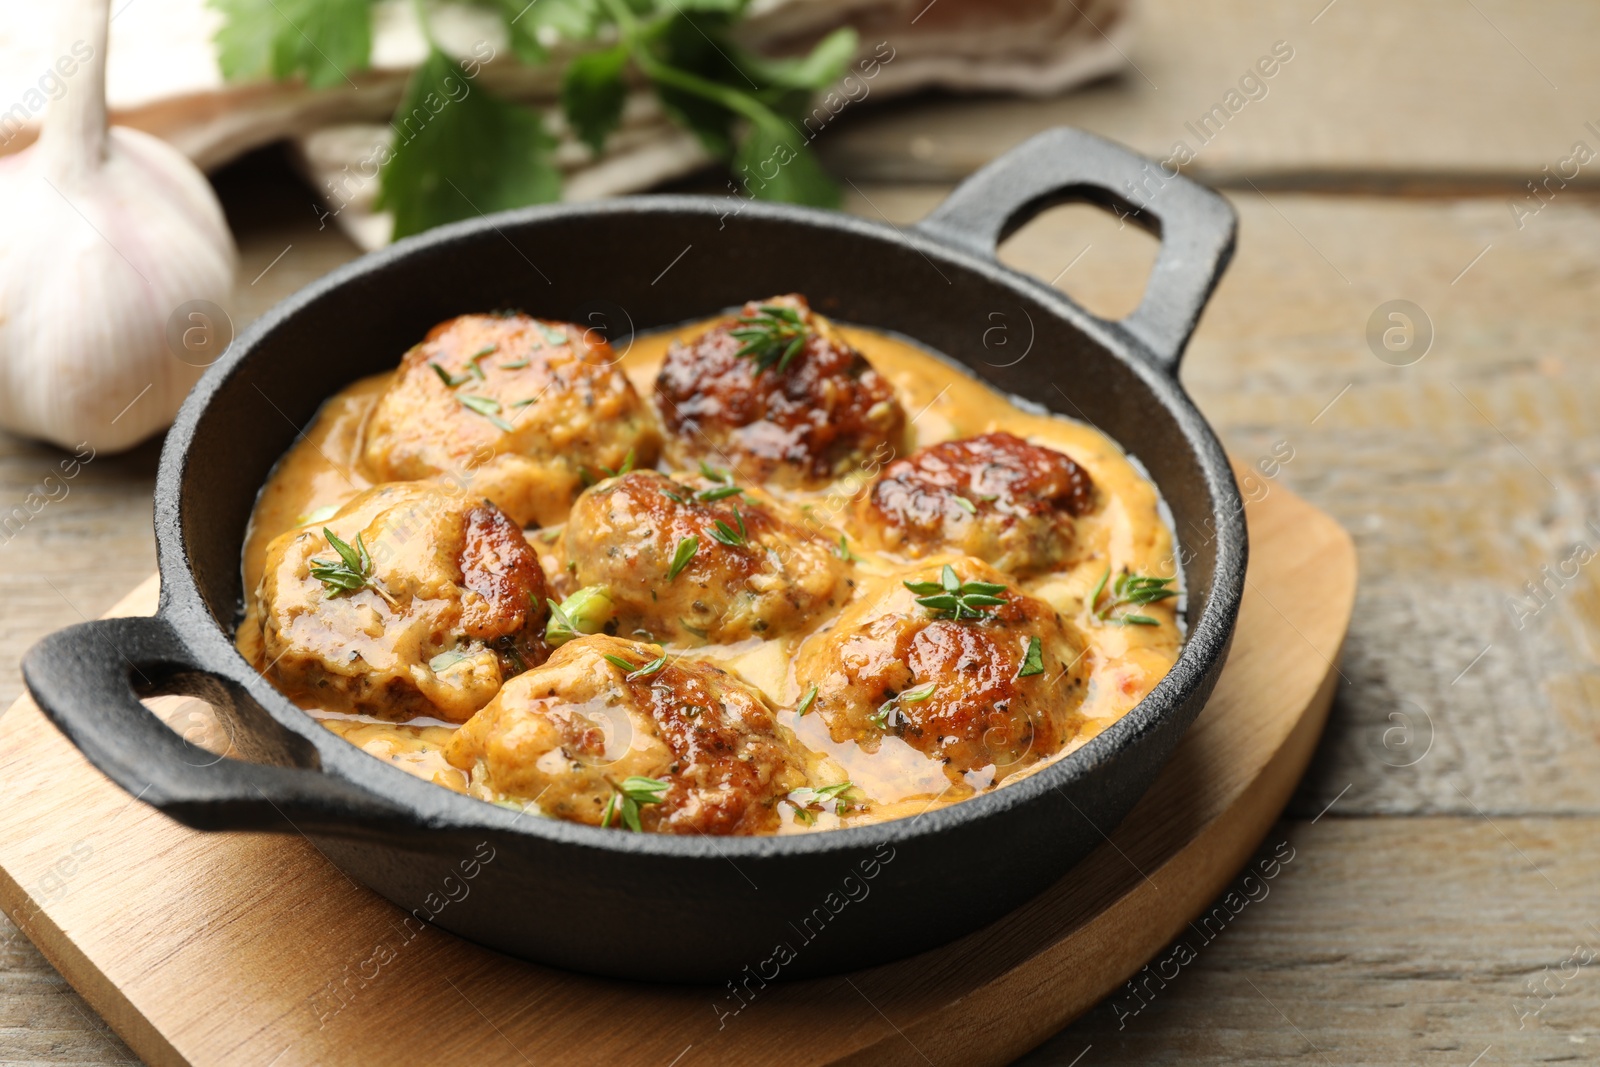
x: 1196, y: 225
x: 87, y: 679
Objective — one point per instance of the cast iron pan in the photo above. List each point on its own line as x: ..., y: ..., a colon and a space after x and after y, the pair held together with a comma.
x: 654, y: 906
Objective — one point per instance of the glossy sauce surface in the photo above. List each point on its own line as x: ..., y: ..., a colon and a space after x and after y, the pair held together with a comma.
x: 1125, y: 530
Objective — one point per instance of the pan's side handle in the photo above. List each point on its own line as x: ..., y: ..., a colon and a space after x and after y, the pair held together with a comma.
x: 1196, y: 225
x: 87, y: 680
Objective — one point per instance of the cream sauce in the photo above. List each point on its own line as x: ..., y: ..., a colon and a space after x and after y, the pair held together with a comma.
x: 943, y: 402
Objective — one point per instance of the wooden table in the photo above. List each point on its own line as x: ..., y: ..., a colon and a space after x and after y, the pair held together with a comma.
x: 1442, y: 905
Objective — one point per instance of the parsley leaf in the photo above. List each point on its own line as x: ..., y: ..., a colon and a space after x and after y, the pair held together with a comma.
x: 592, y: 94
x: 320, y: 40
x: 460, y: 152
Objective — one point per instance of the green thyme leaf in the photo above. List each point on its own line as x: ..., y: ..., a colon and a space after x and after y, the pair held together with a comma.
x: 965, y: 505
x: 617, y: 661
x: 806, y: 701
x: 488, y: 407
x: 711, y: 473
x: 726, y: 534
x: 450, y: 380
x: 1127, y: 591
x: 626, y: 798
x: 952, y: 598
x: 844, y: 552
x: 649, y: 668
x: 516, y: 364
x: 772, y: 335
x: 1033, y: 659
x: 627, y: 466
x: 680, y: 559
x: 829, y: 792
x: 720, y: 492
x: 351, y: 572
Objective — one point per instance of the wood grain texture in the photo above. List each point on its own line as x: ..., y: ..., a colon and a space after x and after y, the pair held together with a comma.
x: 1430, y: 92
x: 141, y: 911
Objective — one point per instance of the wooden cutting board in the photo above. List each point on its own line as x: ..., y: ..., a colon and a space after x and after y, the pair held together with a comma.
x: 253, y: 949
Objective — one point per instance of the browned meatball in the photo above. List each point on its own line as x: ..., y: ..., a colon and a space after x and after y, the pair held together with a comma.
x: 996, y: 497
x: 997, y: 688
x: 681, y: 560
x: 514, y: 406
x: 444, y: 600
x: 680, y: 747
x: 799, y: 418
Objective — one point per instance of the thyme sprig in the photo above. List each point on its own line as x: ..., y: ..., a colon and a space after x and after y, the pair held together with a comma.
x: 1129, y: 590
x: 352, y: 571
x: 951, y: 598
x: 881, y: 717
x: 727, y: 535
x: 773, y: 335
x: 627, y: 796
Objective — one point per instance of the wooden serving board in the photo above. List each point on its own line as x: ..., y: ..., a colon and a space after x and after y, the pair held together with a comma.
x: 253, y: 949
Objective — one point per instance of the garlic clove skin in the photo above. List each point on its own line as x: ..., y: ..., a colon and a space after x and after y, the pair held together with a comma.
x: 107, y: 234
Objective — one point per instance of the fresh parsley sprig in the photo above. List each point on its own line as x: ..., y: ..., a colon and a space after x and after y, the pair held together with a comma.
x: 471, y: 152
x: 352, y: 571
x: 773, y: 335
x: 951, y: 598
x: 1129, y: 590
x: 628, y: 795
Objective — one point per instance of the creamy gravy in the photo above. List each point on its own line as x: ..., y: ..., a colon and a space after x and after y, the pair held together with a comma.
x: 323, y: 470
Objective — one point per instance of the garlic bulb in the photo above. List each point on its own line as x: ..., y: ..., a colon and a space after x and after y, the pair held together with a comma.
x: 108, y: 235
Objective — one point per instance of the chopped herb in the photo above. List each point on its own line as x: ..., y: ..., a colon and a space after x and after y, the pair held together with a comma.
x: 488, y: 407
x: 808, y: 801
x: 1129, y: 590
x: 472, y: 361
x: 626, y: 798
x: 445, y: 660
x: 1033, y: 659
x: 617, y: 661
x: 726, y: 534
x: 829, y: 792
x: 805, y: 817
x: 524, y: 403
x: 670, y: 495
x: 627, y: 466
x: 514, y: 365
x: 952, y: 598
x: 585, y: 612
x: 880, y: 718
x: 844, y: 552
x: 772, y: 336
x: 551, y: 334
x: 351, y: 572
x: 715, y: 475
x: 649, y: 668
x: 965, y: 505
x: 707, y: 496
x: 806, y: 701
x: 680, y: 559
x: 450, y: 380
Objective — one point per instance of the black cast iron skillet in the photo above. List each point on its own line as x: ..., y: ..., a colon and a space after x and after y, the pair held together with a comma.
x: 656, y: 906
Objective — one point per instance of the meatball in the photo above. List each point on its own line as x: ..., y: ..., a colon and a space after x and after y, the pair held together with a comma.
x: 795, y: 416
x: 996, y: 497
x: 412, y: 600
x: 700, y: 558
x: 955, y: 663
x: 669, y: 747
x: 515, y: 407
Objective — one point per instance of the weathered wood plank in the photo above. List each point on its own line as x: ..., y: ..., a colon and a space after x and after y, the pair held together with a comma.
x: 1374, y: 91
x: 1404, y: 941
